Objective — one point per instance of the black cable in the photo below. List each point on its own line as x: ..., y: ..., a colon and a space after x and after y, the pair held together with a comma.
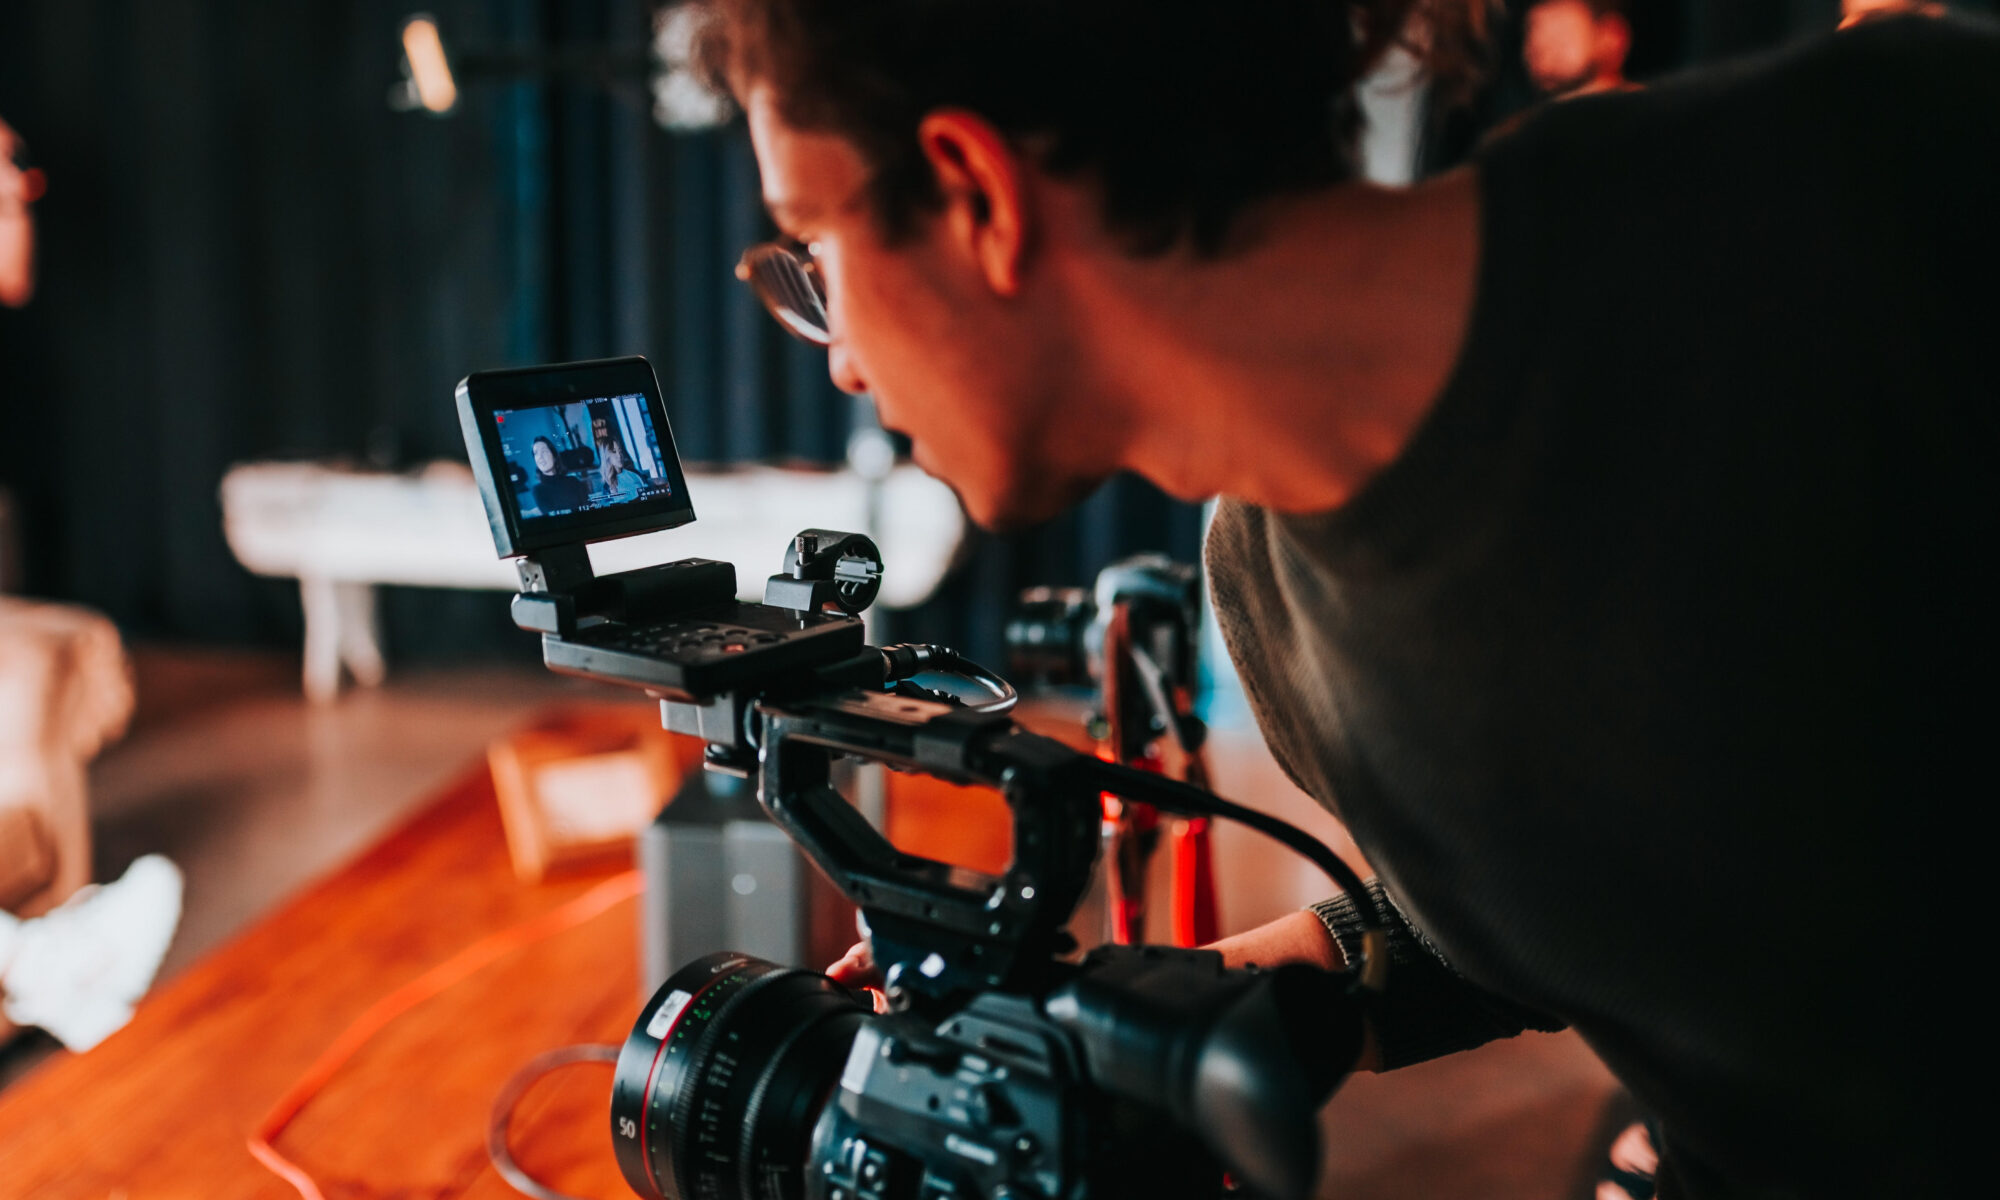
x: 1183, y: 799
x: 510, y: 1095
x: 879, y: 665
x: 951, y: 662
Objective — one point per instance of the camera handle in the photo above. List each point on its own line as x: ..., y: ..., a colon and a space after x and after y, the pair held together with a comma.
x: 935, y: 928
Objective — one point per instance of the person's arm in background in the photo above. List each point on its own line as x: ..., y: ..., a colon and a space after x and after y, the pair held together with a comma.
x: 17, y: 227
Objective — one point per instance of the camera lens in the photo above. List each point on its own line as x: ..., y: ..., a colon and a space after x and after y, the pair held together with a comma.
x: 725, y: 1074
x: 1045, y: 636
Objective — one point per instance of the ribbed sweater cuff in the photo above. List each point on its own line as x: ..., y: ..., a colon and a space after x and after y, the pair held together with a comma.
x: 1428, y: 1009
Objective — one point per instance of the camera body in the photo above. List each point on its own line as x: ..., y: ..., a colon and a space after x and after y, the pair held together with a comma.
x: 1005, y: 1065
x: 1058, y: 634
x: 1120, y: 1077
x: 1134, y: 635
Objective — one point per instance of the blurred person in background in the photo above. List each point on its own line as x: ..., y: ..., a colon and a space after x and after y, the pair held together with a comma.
x: 78, y: 970
x: 19, y: 188
x: 1602, y: 529
x: 555, y: 490
x: 622, y: 480
x: 1576, y: 47
x: 75, y: 970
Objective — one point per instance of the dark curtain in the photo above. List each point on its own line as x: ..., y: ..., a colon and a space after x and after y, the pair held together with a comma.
x: 246, y: 254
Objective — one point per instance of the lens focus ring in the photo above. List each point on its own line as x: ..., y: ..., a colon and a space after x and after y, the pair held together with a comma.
x: 725, y: 1072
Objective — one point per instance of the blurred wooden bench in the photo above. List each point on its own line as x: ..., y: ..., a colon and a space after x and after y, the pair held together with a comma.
x: 341, y: 532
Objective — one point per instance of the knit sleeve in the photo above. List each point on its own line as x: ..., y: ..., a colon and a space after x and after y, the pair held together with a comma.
x: 1428, y: 1009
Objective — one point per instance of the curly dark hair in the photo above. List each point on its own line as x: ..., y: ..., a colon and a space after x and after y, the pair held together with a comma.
x: 1183, y: 113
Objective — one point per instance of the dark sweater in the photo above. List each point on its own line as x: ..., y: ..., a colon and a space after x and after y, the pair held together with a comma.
x: 1654, y: 675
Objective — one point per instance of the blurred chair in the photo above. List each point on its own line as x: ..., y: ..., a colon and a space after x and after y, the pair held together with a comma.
x: 65, y: 691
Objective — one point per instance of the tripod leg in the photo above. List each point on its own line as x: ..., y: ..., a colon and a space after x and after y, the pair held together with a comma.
x: 1195, y: 922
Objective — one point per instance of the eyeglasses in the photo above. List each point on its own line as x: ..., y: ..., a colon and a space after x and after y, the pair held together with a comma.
x: 788, y: 281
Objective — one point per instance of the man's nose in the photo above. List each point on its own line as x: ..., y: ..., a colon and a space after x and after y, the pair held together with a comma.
x: 846, y: 373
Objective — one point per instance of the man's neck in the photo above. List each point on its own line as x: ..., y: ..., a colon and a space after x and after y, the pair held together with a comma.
x: 1290, y: 369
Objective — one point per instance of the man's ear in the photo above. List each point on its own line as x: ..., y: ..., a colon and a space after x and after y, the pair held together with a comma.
x: 983, y: 183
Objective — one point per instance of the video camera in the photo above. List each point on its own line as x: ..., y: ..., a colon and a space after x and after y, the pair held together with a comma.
x: 1007, y: 1064
x: 1133, y: 635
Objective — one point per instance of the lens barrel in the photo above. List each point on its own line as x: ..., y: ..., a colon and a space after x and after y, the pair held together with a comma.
x: 1046, y: 635
x: 725, y: 1073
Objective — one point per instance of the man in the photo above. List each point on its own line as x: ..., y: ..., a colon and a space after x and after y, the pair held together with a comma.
x: 1603, y: 525
x: 1576, y: 47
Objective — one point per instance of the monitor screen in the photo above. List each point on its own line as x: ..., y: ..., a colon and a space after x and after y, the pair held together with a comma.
x: 572, y: 452
x: 567, y: 459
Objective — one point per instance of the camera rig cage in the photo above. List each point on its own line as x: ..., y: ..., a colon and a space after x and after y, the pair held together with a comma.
x: 779, y: 691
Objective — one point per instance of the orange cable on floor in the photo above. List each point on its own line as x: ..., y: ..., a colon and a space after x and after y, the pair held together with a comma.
x: 466, y: 962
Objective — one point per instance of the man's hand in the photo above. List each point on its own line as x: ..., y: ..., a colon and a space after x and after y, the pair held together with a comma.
x: 856, y: 969
x: 1293, y: 938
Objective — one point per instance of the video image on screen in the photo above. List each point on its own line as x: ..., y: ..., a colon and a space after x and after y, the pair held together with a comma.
x: 572, y: 458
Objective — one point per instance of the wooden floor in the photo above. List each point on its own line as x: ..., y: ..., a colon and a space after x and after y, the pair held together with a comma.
x: 253, y: 791
x: 255, y: 794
